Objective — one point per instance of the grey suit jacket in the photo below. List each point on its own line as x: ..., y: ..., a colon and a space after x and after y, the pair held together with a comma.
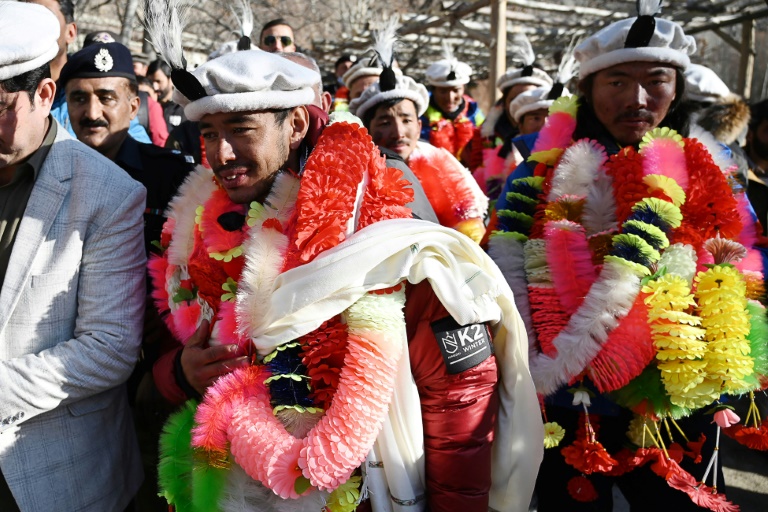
x: 71, y: 317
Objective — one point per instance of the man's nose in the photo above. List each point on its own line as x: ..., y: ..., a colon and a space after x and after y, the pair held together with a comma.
x: 93, y: 109
x: 400, y: 131
x: 639, y: 97
x: 221, y: 153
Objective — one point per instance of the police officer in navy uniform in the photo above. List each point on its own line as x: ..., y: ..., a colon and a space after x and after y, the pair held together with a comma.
x: 101, y: 92
x: 102, y: 95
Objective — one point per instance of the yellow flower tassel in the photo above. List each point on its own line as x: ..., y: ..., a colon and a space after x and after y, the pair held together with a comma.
x: 722, y: 303
x: 677, y: 337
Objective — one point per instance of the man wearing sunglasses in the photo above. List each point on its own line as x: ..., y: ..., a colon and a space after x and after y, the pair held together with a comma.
x: 277, y: 36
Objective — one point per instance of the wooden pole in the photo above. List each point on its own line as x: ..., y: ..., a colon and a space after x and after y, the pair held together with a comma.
x: 747, y: 62
x: 498, y: 49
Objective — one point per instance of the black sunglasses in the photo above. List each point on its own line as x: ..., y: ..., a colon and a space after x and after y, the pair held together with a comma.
x: 272, y: 40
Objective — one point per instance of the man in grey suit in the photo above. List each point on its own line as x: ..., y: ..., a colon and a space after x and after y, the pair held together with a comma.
x: 72, y: 297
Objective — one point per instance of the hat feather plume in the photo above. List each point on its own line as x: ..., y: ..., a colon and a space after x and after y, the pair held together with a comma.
x: 165, y: 21
x: 244, y: 18
x: 448, y: 52
x: 384, y: 42
x: 648, y: 7
x: 568, y: 64
x: 520, y: 50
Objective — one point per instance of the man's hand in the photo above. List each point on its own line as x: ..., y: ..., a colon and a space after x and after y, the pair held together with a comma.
x: 202, y: 364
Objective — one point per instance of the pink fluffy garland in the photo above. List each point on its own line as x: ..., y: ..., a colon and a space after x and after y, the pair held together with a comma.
x: 237, y: 407
x: 558, y: 132
x: 570, y: 262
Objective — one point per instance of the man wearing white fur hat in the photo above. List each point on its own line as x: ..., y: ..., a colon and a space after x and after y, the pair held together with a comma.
x: 523, y: 76
x: 452, y: 119
x: 311, y: 313
x: 620, y: 217
x: 391, y: 111
x: 72, y: 268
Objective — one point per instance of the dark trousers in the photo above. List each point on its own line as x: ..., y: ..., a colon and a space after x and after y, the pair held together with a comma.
x: 644, y: 490
x: 7, y: 501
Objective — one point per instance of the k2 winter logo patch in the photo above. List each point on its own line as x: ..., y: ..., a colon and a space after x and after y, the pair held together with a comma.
x: 463, y: 346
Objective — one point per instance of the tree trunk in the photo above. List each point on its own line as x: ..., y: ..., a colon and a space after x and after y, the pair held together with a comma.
x: 128, y: 21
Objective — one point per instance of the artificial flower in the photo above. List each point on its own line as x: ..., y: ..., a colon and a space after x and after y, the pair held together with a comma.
x: 588, y: 457
x: 667, y: 212
x: 752, y: 437
x: 345, y: 497
x: 638, y: 431
x: 567, y: 104
x: 655, y: 237
x: 634, y: 248
x: 724, y: 250
x: 703, y: 495
x: 725, y: 417
x: 581, y: 396
x: 553, y: 434
x: 581, y: 489
x: 566, y: 208
x: 667, y: 186
x: 680, y: 259
x: 694, y: 448
x: 662, y: 133
x: 547, y: 157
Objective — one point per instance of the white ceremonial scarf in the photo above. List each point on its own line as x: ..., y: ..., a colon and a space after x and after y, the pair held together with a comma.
x: 473, y: 290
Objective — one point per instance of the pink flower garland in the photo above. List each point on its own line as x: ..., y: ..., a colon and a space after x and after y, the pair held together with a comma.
x: 237, y: 409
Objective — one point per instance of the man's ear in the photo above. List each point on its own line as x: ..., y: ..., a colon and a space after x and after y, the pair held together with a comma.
x: 46, y: 91
x: 326, y: 100
x: 135, y: 102
x: 70, y: 33
x: 298, y: 120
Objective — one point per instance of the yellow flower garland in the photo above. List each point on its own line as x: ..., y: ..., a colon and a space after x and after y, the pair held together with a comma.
x: 721, y: 295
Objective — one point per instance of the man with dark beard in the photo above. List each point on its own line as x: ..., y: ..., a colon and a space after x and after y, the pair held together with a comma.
x: 757, y: 151
x: 620, y: 216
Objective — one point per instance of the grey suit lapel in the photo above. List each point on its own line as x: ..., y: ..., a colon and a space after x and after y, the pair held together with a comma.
x: 51, y: 187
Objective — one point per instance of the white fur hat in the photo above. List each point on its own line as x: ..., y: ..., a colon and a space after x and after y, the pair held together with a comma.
x: 702, y: 84
x: 448, y: 71
x: 405, y: 88
x: 30, y: 35
x: 529, y: 101
x: 528, y: 75
x: 644, y: 38
x: 359, y: 70
x: 249, y: 80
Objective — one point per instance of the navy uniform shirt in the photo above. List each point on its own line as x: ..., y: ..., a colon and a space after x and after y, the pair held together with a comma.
x: 161, y: 171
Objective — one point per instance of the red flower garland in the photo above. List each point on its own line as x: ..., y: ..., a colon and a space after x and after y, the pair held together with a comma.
x: 626, y: 171
x: 710, y: 205
x: 325, y: 202
x: 323, y: 353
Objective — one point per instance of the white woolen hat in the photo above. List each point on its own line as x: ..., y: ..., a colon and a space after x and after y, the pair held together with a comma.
x: 406, y: 88
x: 30, y: 35
x: 249, y: 80
x: 667, y: 44
x: 528, y: 75
x: 359, y: 70
x: 448, y: 73
x: 529, y: 101
x: 702, y: 84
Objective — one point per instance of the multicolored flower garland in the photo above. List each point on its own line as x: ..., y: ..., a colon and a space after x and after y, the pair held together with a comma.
x: 652, y: 248
x: 327, y: 449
